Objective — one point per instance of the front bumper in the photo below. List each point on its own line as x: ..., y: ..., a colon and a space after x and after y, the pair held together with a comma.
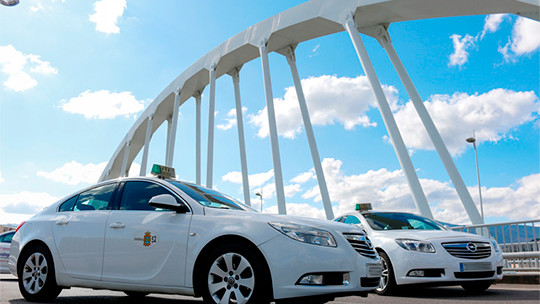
x: 290, y: 260
x: 444, y: 269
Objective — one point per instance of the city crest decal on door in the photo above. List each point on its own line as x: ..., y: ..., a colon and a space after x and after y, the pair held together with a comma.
x: 148, y: 239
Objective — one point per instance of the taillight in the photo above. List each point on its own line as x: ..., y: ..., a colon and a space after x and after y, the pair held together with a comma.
x: 19, y: 227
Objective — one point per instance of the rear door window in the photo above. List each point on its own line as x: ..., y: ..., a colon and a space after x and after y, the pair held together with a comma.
x: 97, y: 198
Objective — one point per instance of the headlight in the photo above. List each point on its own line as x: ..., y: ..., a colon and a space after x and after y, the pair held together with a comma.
x: 305, y: 234
x: 415, y: 245
x: 496, y: 246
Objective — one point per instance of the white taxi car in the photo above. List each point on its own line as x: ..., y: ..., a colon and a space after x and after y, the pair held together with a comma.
x: 159, y: 235
x: 5, y: 245
x: 417, y: 250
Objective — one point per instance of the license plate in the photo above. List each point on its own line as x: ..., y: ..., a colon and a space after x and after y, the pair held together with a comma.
x: 374, y: 270
x: 481, y: 266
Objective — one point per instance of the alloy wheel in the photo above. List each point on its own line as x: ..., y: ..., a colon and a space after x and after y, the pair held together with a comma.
x: 231, y: 279
x: 35, y: 272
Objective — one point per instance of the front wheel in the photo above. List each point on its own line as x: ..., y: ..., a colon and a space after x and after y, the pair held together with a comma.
x: 37, y: 281
x: 478, y: 286
x: 233, y: 274
x: 387, y: 285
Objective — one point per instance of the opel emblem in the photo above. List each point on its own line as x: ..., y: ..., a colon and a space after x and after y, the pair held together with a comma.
x: 369, y: 244
x: 471, y: 247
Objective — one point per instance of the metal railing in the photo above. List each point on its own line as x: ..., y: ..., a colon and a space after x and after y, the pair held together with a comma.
x: 519, y: 241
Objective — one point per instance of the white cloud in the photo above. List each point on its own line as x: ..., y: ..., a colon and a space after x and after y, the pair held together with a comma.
x: 295, y: 209
x: 18, y: 207
x: 292, y: 190
x: 255, y: 180
x: 492, y: 115
x: 103, y: 104
x: 36, y: 8
x: 74, y: 173
x: 492, y: 23
x: 525, y: 39
x: 231, y: 121
x: 304, y: 177
x: 315, y: 51
x: 106, y: 14
x: 18, y: 66
x: 350, y: 99
x: 388, y: 190
x: 461, y: 45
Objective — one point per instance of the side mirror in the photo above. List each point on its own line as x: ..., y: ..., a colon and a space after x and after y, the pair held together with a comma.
x: 167, y: 201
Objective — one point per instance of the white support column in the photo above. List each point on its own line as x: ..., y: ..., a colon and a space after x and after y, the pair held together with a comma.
x: 198, y: 138
x: 147, y: 138
x: 125, y: 168
x: 211, y: 110
x: 173, y: 127
x: 291, y: 59
x: 461, y: 189
x: 169, y: 131
x: 278, y: 177
x: 388, y: 118
x: 241, y: 141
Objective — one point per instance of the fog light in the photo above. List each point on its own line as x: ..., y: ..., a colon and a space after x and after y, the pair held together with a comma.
x: 346, y: 279
x: 312, y: 279
x: 416, y: 273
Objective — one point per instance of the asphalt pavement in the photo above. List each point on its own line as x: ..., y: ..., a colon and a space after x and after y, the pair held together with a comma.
x: 499, y: 293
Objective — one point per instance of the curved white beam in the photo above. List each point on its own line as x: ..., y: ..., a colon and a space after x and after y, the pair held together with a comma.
x: 312, y: 19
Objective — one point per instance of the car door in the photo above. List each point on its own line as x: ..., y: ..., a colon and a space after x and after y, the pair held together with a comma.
x: 79, y: 231
x: 144, y: 245
x: 5, y: 245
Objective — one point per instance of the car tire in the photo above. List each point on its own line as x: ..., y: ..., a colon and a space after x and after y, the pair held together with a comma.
x: 478, y: 286
x: 233, y: 272
x: 136, y: 294
x: 37, y: 279
x: 387, y: 285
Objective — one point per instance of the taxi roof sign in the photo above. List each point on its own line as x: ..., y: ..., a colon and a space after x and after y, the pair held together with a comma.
x: 163, y: 171
x: 364, y: 207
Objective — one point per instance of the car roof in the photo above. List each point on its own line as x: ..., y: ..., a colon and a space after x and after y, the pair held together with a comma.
x: 375, y: 211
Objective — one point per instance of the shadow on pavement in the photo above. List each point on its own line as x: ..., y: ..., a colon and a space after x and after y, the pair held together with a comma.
x: 113, y: 299
x: 457, y: 293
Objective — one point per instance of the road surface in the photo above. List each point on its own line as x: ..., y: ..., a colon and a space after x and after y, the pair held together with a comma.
x: 500, y: 293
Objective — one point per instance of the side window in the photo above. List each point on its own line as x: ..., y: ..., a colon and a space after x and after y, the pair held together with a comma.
x: 137, y: 194
x: 339, y: 220
x: 95, y: 199
x: 351, y: 219
x: 68, y: 205
x: 7, y: 238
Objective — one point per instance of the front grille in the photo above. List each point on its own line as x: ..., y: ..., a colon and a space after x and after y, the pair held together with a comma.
x: 361, y: 244
x: 468, y: 250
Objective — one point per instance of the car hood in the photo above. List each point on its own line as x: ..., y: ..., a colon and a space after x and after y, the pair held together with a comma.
x: 265, y: 217
x: 429, y: 235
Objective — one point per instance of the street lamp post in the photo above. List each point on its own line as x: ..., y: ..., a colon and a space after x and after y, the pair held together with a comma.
x: 473, y: 141
x: 260, y: 195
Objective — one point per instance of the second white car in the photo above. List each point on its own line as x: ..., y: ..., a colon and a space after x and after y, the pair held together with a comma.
x: 417, y: 250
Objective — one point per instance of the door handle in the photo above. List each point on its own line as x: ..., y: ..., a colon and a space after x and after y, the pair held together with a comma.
x: 62, y: 223
x: 117, y: 225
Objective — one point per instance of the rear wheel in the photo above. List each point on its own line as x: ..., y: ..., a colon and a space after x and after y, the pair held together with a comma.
x: 233, y: 274
x: 387, y: 285
x: 37, y: 281
x: 478, y: 286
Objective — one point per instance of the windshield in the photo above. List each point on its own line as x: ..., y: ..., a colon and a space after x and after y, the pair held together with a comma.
x: 210, y: 198
x: 400, y: 221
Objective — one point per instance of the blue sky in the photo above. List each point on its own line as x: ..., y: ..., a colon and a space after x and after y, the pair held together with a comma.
x: 75, y: 75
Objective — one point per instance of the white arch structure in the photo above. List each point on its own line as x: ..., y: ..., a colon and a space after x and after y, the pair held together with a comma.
x: 282, y: 33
